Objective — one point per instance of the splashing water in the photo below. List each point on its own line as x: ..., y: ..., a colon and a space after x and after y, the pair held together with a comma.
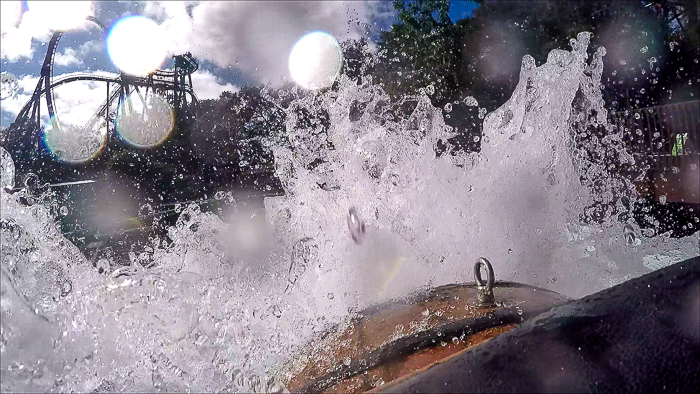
x: 202, y: 315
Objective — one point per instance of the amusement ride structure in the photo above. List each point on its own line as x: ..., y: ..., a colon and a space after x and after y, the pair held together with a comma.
x: 23, y: 139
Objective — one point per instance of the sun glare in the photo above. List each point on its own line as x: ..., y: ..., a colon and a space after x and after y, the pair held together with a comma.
x: 137, y: 45
x: 315, y: 60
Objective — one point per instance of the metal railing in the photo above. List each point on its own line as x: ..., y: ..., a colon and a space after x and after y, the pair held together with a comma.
x: 666, y: 135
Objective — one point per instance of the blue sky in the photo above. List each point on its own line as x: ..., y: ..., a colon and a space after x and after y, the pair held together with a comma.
x: 236, y: 43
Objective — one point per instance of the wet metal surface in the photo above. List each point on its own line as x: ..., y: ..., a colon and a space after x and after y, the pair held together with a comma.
x: 391, y: 340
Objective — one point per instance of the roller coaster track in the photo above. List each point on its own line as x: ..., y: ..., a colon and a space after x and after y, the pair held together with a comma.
x: 164, y: 81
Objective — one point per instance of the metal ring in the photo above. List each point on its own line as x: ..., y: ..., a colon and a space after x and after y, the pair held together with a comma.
x: 489, y: 272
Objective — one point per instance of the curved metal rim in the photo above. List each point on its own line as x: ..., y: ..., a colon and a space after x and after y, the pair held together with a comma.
x: 490, y: 279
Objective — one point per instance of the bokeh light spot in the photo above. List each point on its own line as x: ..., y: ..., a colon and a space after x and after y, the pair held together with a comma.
x: 145, y: 120
x: 75, y: 144
x: 137, y: 45
x: 315, y: 60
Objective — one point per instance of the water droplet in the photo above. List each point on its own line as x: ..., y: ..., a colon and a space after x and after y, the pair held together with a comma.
x: 455, y: 340
x: 662, y: 199
x: 102, y: 266
x: 9, y: 86
x: 356, y: 225
x: 471, y: 101
x: 644, y: 49
x: 630, y: 236
x: 229, y: 198
x: 448, y: 107
x: 64, y: 210
x: 476, y: 138
x: 331, y: 296
x: 146, y: 210
x: 637, y: 115
x: 219, y: 195
x: 347, y: 361
x: 486, y: 139
x: 510, y: 251
x: 277, y: 311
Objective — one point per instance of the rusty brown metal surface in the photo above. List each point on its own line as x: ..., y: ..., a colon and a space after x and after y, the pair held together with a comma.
x: 395, y: 339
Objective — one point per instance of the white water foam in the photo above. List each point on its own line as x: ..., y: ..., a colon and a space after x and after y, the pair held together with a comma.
x: 203, y: 314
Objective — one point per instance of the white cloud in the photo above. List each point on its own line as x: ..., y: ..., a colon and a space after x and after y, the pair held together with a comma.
x: 68, y: 57
x: 256, y: 37
x: 18, y: 32
x: 13, y: 105
x: 207, y: 87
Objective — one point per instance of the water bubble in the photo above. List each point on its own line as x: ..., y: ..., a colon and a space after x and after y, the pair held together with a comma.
x: 448, y: 107
x: 644, y: 49
x: 219, y: 195
x: 477, y: 138
x: 64, y: 210
x: 455, y: 340
x: 510, y: 251
x: 486, y: 139
x: 470, y: 101
x: 662, y: 199
x: 637, y: 116
x: 145, y: 210
x: 331, y: 296
x: 356, y: 225
x: 229, y: 198
x: 276, y: 311
x: 630, y: 236
x: 9, y: 86
x: 347, y: 361
x: 102, y: 266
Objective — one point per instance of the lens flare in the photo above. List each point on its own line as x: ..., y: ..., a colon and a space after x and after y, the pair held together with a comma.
x: 315, y: 60
x: 137, y: 45
x: 60, y: 15
x: 145, y: 120
x: 74, y: 144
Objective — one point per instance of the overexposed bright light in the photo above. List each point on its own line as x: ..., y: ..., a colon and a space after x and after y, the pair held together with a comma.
x: 61, y: 15
x: 137, y: 45
x: 315, y: 60
x: 145, y: 120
